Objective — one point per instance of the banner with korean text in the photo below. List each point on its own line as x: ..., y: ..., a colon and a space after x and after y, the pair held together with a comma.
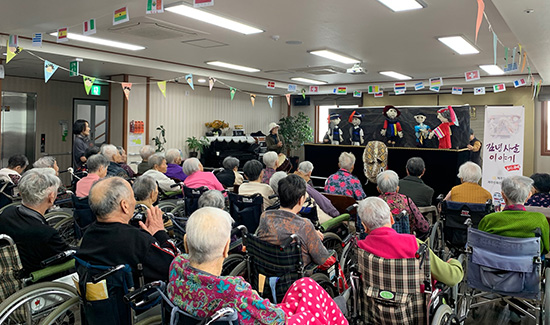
x: 502, y: 147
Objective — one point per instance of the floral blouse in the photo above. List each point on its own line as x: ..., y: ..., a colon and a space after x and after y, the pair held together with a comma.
x: 539, y: 200
x: 398, y: 202
x: 268, y: 172
x: 344, y: 183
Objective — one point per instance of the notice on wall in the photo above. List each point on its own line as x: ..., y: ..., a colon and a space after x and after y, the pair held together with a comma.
x: 136, y: 140
x: 502, y: 147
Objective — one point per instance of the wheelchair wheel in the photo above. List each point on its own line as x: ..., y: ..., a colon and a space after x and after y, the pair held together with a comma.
x: 65, y: 228
x: 179, y: 210
x: 166, y: 206
x: 231, y: 262
x: 68, y: 313
x: 436, y: 240
x: 333, y: 241
x: 324, y: 282
x: 9, y: 205
x: 241, y: 270
x: 464, y: 298
x: 33, y: 303
x: 443, y: 315
x: 54, y: 217
x: 348, y: 259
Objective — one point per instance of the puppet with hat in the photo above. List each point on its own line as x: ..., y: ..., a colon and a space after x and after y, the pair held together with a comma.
x: 392, y: 128
x: 334, y: 134
x: 443, y: 132
x: 421, y: 130
x: 357, y: 136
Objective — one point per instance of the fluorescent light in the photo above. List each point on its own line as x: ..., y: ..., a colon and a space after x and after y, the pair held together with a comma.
x: 201, y: 80
x: 213, y: 19
x: 309, y: 81
x: 101, y: 41
x: 459, y: 45
x: 395, y: 75
x: 232, y: 66
x: 402, y: 5
x: 492, y: 69
x: 335, y: 56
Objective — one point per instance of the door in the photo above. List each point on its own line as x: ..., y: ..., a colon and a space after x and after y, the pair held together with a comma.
x: 97, y: 114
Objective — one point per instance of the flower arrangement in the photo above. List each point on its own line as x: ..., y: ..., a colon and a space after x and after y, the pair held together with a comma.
x: 217, y: 124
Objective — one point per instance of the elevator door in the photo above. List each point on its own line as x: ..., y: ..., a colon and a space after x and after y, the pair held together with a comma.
x: 18, y: 125
x: 97, y: 115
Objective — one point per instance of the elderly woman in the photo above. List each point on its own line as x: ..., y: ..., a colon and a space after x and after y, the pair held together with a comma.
x: 50, y: 162
x: 97, y: 169
x: 343, y: 182
x: 212, y: 198
x: 197, y: 177
x: 541, y: 187
x: 174, y: 170
x: 158, y: 168
x: 514, y: 221
x: 253, y: 171
x: 123, y: 160
x: 145, y: 190
x: 230, y: 176
x: 305, y: 168
x: 388, y: 186
x: 385, y: 242
x: 469, y: 191
x: 197, y: 287
x: 274, y: 181
x: 145, y: 152
x: 16, y: 166
x: 271, y: 160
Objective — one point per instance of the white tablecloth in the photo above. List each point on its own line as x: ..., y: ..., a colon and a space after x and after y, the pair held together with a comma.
x: 248, y: 139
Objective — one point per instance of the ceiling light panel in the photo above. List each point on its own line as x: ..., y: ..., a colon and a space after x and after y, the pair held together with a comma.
x: 493, y: 70
x: 232, y: 66
x: 395, y: 75
x: 309, y: 81
x: 101, y: 41
x: 403, y: 5
x: 459, y: 44
x: 335, y: 56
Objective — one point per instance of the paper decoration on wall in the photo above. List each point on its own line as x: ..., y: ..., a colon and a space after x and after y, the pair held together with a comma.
x: 270, y: 101
x: 271, y: 85
x: 253, y: 99
x: 419, y: 86
x: 73, y: 68
x: 499, y: 88
x: 62, y: 35
x: 342, y: 90
x: 126, y: 89
x: 374, y: 89
x: 436, y: 82
x: 479, y: 91
x: 211, y: 82
x: 399, y: 87
x: 288, y: 99
x: 292, y: 87
x: 162, y: 87
x: 154, y: 7
x: 435, y: 88
x: 510, y: 67
x: 357, y: 93
x: 232, y: 92
x: 524, y: 60
x: 480, y: 10
x: 314, y: 89
x: 37, y: 39
x: 88, y: 83
x: 399, y: 92
x: 11, y: 51
x: 538, y: 87
x: 514, y: 54
x: 303, y: 91
x: 202, y: 3
x: 49, y: 70
x: 88, y: 27
x: 121, y: 16
x: 472, y: 75
x: 379, y: 94
x: 189, y: 79
x: 13, y: 41
x: 505, y: 56
x: 457, y: 90
x: 519, y: 82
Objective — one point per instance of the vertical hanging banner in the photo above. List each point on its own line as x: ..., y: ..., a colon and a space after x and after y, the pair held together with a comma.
x: 480, y: 10
x: 88, y: 27
x: 126, y: 88
x: 189, y: 79
x: 121, y: 16
x: 202, y: 3
x: 37, y: 39
x: 232, y: 92
x: 495, y: 40
x: 49, y: 70
x: 154, y: 7
x: 88, y: 83
x: 73, y: 69
x: 162, y: 87
x: 253, y: 99
x: 503, y: 147
x: 63, y: 35
x: 211, y: 82
x: 270, y: 101
x: 11, y: 51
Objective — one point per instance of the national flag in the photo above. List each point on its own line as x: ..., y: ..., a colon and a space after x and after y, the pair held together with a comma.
x: 271, y: 85
x: 121, y: 16
x: 37, y: 39
x: 457, y: 90
x: 374, y: 89
x: 435, y: 88
x: 399, y: 86
x: 479, y: 91
x: 399, y: 92
x: 341, y: 90
x: 292, y: 87
x: 520, y: 82
x: 436, y: 81
x: 510, y: 67
x: 419, y: 85
x: 357, y: 93
x: 62, y: 35
x: 154, y: 7
x: 202, y: 3
x: 472, y: 75
x: 379, y: 94
x: 14, y: 41
x: 313, y: 89
x: 88, y: 27
x: 499, y: 88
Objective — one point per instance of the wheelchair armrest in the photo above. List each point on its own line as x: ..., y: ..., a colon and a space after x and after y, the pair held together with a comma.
x: 50, y: 270
x: 130, y: 297
x: 98, y: 277
x: 351, y: 207
x: 289, y: 241
x: 334, y: 221
x: 310, y: 269
x: 57, y: 258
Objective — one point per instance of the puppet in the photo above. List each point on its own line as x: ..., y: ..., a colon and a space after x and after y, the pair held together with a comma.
x: 443, y: 132
x: 392, y: 128
x: 357, y: 136
x: 334, y: 134
x: 421, y: 130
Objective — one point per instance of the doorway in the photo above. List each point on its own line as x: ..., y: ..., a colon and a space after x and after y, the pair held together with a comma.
x: 97, y: 114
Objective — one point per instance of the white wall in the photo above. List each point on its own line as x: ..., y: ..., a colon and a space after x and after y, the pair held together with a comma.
x: 542, y: 163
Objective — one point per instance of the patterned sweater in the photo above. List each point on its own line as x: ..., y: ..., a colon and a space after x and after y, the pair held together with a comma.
x: 470, y: 193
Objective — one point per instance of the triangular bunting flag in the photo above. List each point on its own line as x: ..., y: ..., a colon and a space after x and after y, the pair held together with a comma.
x: 189, y: 79
x: 12, y: 51
x: 270, y: 101
x: 126, y: 88
x: 162, y: 87
x: 49, y: 70
x: 480, y: 10
x: 88, y: 83
x: 303, y: 91
x: 288, y: 99
x: 253, y: 99
x: 211, y: 82
x: 232, y: 92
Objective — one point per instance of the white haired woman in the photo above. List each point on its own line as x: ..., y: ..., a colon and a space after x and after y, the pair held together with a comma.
x: 469, y: 191
x: 197, y: 177
x: 343, y: 182
x: 196, y: 285
x: 271, y: 161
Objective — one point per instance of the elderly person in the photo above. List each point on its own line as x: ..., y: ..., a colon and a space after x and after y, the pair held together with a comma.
x: 412, y: 184
x: 514, y: 221
x: 157, y: 172
x: 174, y: 169
x: 124, y: 160
x: 97, y: 169
x: 16, y: 166
x: 112, y: 241
x: 271, y: 160
x: 197, y: 177
x: 146, y: 191
x: 81, y: 142
x: 343, y: 182
x: 541, y: 187
x: 305, y: 168
x: 145, y: 152
x: 385, y: 242
x: 230, y: 175
x: 25, y: 224
x: 197, y: 287
x: 274, y: 140
x: 469, y: 191
x: 111, y: 153
x: 212, y: 198
x: 274, y: 181
x: 388, y: 186
x: 50, y: 162
x: 253, y: 171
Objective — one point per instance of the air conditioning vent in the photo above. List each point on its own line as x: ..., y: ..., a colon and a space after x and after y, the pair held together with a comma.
x: 323, y: 70
x: 155, y: 29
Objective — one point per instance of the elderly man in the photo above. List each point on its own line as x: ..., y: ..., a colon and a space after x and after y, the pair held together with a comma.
x: 212, y: 198
x: 112, y: 241
x: 385, y: 242
x: 469, y: 191
x: 253, y: 171
x: 145, y: 152
x: 412, y: 184
x: 157, y: 172
x: 343, y: 182
x: 97, y: 169
x: 197, y: 177
x: 16, y: 166
x: 305, y: 168
x: 514, y: 221
x: 25, y: 223
x: 230, y: 175
x: 50, y: 162
x: 270, y: 160
x: 111, y: 153
x: 174, y: 169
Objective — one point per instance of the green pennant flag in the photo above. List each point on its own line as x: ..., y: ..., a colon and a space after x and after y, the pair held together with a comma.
x: 88, y: 83
x: 303, y: 93
x: 232, y: 91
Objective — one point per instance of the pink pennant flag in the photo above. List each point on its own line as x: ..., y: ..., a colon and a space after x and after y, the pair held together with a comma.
x: 480, y: 10
x: 288, y: 99
x: 126, y: 88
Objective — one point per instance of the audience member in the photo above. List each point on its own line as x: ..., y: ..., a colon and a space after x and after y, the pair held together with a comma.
x: 157, y: 172
x: 412, y: 184
x: 541, y: 189
x: 253, y: 171
x: 230, y: 176
x: 81, y: 142
x: 174, y: 170
x: 270, y: 160
x: 50, y: 162
x: 197, y: 177
x: 25, y: 223
x: 123, y: 162
x: 146, y: 191
x: 469, y: 191
x: 305, y: 168
x: 274, y: 181
x: 111, y: 153
x: 475, y: 149
x: 145, y: 152
x: 212, y: 198
x: 343, y: 182
x: 16, y: 166
x: 385, y: 242
x: 97, y: 169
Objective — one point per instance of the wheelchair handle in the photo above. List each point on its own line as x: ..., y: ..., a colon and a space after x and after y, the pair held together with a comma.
x: 288, y: 241
x: 351, y: 207
x: 242, y: 229
x: 56, y: 258
x: 226, y: 311
x: 273, y: 196
x: 421, y: 251
x: 400, y: 215
x: 175, y: 185
x: 134, y: 294
x: 98, y: 277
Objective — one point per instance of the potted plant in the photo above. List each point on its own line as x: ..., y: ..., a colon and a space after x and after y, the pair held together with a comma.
x: 160, y: 140
x: 196, y: 145
x: 295, y: 130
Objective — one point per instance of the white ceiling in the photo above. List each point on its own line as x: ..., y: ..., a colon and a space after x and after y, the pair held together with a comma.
x: 364, y: 29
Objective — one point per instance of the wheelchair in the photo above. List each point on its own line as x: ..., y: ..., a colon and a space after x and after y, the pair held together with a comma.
x: 7, y: 195
x: 246, y: 210
x: 170, y: 201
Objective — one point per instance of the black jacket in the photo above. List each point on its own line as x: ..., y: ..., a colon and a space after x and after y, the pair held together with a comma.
x: 226, y: 178
x: 114, y: 169
x: 35, y: 240
x: 414, y: 187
